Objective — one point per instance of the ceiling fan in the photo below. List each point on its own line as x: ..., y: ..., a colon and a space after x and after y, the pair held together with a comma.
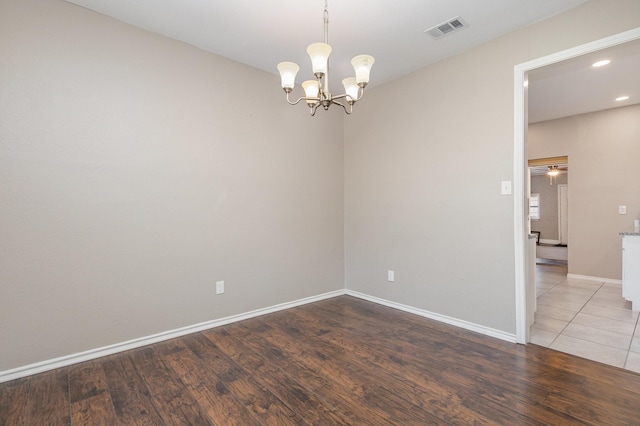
x: 554, y: 171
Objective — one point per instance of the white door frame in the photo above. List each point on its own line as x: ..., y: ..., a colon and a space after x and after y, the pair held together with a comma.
x: 520, y: 163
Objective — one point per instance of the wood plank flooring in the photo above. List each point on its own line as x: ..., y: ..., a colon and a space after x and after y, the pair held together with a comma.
x: 338, y: 361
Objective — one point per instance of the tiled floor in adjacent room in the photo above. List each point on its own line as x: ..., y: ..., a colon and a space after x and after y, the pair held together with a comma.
x: 585, y: 318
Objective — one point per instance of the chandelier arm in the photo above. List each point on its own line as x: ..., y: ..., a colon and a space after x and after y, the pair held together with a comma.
x: 344, y: 95
x: 348, y: 111
x: 296, y: 102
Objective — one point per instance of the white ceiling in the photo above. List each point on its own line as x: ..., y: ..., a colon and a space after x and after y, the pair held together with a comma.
x: 575, y: 87
x: 261, y: 34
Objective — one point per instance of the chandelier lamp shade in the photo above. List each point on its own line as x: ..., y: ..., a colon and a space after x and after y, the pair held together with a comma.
x: 316, y: 91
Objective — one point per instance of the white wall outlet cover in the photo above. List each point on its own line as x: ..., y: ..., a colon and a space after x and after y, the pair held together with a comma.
x: 622, y: 209
x: 391, y: 276
x: 219, y: 287
x: 505, y: 187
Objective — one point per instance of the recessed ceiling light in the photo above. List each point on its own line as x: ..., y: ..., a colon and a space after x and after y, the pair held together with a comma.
x: 622, y: 98
x: 602, y: 63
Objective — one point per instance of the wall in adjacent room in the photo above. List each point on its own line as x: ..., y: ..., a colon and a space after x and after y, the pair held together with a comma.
x: 424, y: 161
x: 603, y: 149
x: 135, y: 172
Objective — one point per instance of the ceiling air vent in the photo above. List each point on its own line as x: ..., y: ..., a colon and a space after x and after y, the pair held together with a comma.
x: 447, y: 27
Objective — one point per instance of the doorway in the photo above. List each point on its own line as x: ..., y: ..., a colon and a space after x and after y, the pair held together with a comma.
x: 548, y: 208
x: 523, y: 280
x: 548, y: 184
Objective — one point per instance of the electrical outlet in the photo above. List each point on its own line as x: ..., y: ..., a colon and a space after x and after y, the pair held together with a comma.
x: 391, y: 276
x: 622, y: 209
x: 219, y: 287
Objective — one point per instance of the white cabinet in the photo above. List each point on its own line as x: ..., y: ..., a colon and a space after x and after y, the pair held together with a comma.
x: 631, y: 270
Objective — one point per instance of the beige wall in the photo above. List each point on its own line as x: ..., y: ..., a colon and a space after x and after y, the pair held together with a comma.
x: 135, y: 171
x: 603, y: 152
x: 424, y: 158
x: 547, y: 225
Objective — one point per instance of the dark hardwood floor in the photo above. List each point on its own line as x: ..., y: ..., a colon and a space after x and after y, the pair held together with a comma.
x: 338, y: 361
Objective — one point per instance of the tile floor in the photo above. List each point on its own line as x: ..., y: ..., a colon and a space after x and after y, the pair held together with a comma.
x: 588, y: 319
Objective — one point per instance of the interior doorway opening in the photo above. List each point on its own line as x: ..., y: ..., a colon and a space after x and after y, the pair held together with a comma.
x: 523, y: 277
x: 548, y: 208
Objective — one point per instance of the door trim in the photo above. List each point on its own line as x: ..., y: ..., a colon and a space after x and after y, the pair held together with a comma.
x: 520, y: 162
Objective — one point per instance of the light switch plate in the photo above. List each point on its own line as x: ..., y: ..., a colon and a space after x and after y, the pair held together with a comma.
x: 622, y: 209
x: 505, y: 187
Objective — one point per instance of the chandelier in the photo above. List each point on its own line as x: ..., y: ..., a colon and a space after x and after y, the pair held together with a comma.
x: 317, y: 91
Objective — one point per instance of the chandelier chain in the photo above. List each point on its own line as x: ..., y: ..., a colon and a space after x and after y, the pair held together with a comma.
x: 326, y: 21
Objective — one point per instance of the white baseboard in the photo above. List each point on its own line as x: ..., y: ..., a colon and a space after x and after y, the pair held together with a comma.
x: 66, y: 360
x: 590, y: 278
x: 549, y: 241
x: 438, y: 317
